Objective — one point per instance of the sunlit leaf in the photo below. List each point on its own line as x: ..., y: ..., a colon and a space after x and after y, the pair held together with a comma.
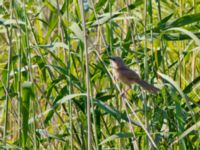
x: 117, y: 136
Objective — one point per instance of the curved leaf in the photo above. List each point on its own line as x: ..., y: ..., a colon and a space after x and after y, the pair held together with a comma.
x: 192, y: 35
x: 117, y: 136
x: 189, y: 87
x: 115, y: 113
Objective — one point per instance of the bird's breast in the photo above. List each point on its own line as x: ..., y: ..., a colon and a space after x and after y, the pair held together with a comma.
x: 119, y: 75
x: 116, y: 73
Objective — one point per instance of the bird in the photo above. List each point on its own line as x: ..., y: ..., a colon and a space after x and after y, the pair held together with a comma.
x: 127, y: 76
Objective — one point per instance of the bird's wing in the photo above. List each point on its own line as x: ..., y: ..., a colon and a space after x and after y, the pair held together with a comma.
x: 130, y: 74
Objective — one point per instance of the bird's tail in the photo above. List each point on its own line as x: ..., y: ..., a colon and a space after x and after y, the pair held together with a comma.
x: 147, y: 86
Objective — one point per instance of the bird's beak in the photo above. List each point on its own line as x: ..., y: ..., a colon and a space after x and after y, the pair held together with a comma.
x: 111, y: 58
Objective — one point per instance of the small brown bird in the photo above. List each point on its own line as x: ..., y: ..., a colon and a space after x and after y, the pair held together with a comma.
x: 128, y: 76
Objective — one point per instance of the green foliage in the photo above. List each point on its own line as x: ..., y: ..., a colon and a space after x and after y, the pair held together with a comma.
x: 25, y: 109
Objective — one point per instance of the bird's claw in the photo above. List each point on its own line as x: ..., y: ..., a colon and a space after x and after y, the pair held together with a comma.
x: 123, y: 94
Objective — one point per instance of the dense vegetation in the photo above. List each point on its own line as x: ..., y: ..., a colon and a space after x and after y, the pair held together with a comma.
x: 47, y: 76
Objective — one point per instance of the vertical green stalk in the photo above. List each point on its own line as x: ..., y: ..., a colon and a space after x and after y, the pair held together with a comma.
x: 60, y: 30
x: 160, y: 17
x: 193, y: 54
x: 159, y: 9
x: 28, y: 50
x: 150, y: 10
x: 110, y: 52
x: 145, y: 70
x: 8, y: 74
x: 25, y: 110
x: 34, y: 123
x: 87, y: 78
x: 70, y: 103
x: 8, y: 84
x: 19, y: 89
x: 26, y: 97
x: 69, y: 83
x: 131, y: 25
x: 153, y: 69
x: 111, y: 32
x: 94, y: 117
x: 145, y: 41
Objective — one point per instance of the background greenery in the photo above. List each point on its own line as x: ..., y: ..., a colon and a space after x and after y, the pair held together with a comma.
x: 43, y: 78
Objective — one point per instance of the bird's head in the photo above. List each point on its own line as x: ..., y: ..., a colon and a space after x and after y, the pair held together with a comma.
x: 116, y: 62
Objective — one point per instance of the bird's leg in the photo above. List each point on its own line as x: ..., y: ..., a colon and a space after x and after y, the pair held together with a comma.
x: 129, y: 87
x: 124, y: 93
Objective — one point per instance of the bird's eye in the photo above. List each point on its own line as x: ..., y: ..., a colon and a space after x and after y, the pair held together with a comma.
x: 112, y: 58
